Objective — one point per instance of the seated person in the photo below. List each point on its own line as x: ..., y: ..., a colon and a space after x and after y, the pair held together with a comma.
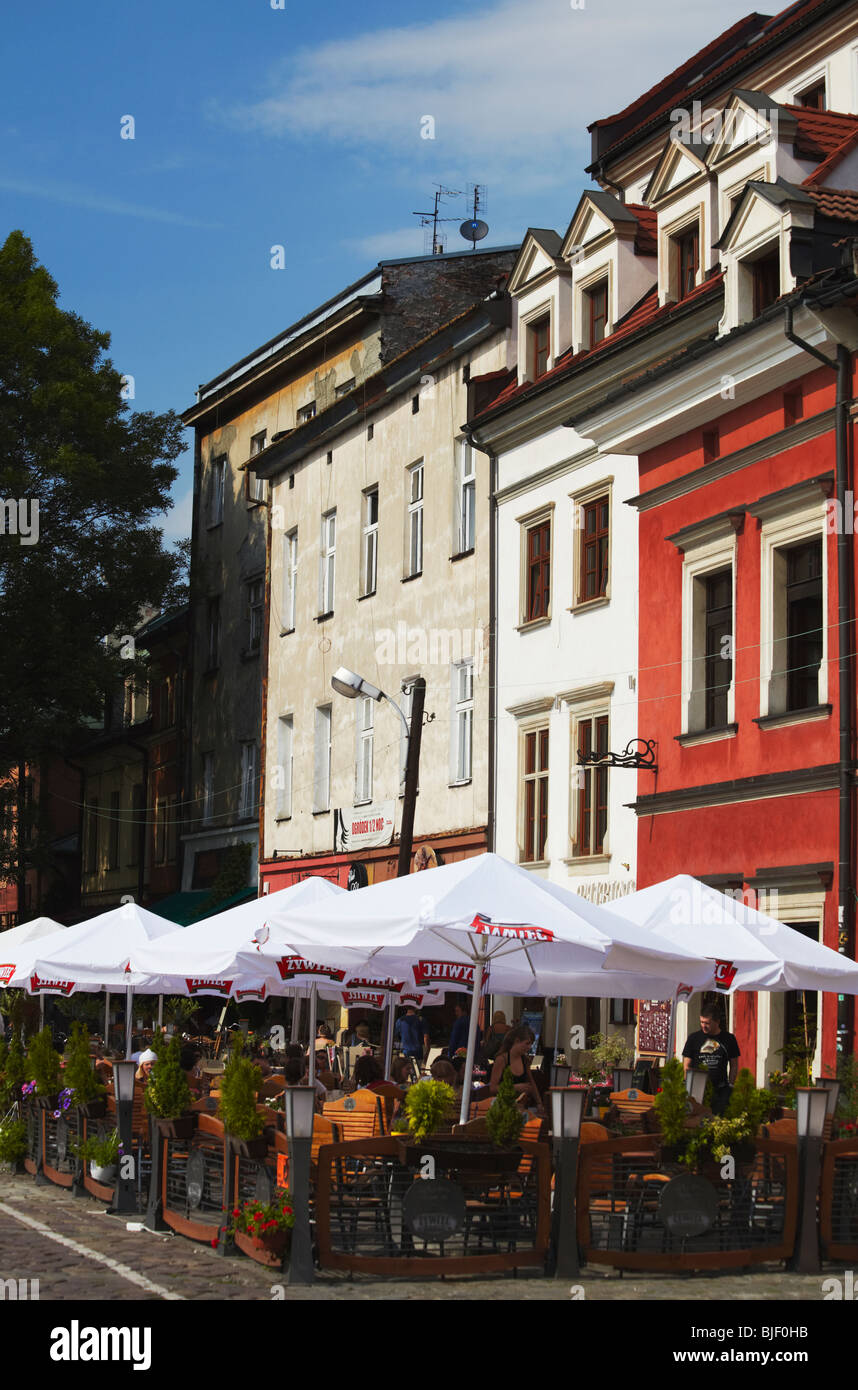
x: 188, y: 1059
x: 145, y: 1064
x: 515, y: 1054
x: 442, y: 1070
x: 369, y: 1074
x: 400, y: 1072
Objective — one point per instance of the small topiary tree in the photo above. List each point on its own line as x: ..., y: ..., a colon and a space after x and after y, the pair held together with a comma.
x: 240, y: 1085
x: 756, y: 1106
x: 79, y: 1074
x: 671, y: 1103
x: 43, y: 1064
x: 426, y: 1105
x: 167, y: 1094
x: 504, y: 1120
x: 13, y: 1071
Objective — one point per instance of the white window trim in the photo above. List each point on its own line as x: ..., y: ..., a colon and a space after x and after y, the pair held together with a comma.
x: 217, y: 495
x: 369, y: 542
x: 579, y: 501
x: 286, y: 762
x: 581, y: 709
x: 413, y: 512
x: 249, y: 780
x: 729, y: 191
x: 668, y: 289
x: 290, y: 579
x: 525, y: 324
x: 466, y: 485
x: 709, y: 557
x: 602, y: 270
x: 776, y: 533
x: 364, y: 750
x: 328, y: 559
x: 525, y: 727
x: 820, y: 74
x: 322, y: 755
x: 459, y: 708
x: 251, y: 585
x: 525, y: 524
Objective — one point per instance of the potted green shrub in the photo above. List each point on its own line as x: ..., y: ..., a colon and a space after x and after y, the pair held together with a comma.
x: 43, y: 1070
x: 426, y: 1107
x: 264, y: 1229
x: 101, y: 1152
x: 240, y: 1085
x: 87, y: 1092
x: 168, y: 1096
x: 504, y: 1120
x: 13, y: 1072
x: 13, y: 1144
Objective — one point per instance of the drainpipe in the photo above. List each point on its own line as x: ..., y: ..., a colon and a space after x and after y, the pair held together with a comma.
x: 845, y: 897
x: 493, y: 682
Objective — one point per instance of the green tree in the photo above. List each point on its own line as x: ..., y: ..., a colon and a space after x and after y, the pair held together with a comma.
x: 79, y: 571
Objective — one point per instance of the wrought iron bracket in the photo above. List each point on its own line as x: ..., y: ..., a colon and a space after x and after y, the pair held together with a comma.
x: 639, y: 753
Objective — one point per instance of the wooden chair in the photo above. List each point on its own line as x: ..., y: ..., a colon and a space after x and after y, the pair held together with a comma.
x: 632, y: 1102
x: 359, y: 1116
x: 390, y: 1096
x: 272, y: 1086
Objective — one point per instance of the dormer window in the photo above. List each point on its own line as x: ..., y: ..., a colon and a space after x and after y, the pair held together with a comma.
x: 687, y: 257
x: 812, y: 98
x: 765, y: 280
x: 540, y: 346
x: 596, y: 312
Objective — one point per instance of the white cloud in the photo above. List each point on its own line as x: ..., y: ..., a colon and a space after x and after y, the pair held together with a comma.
x: 511, y: 86
x: 97, y: 202
x: 401, y: 241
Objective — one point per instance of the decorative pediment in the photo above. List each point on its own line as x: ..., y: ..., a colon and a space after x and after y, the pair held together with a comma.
x: 598, y: 216
x: 761, y: 209
x: 678, y: 166
x: 537, y: 261
x: 749, y: 119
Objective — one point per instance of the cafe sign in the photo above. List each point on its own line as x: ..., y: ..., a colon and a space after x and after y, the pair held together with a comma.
x: 363, y: 827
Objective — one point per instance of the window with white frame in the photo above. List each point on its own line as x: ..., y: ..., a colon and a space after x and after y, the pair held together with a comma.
x: 466, y: 496
x: 322, y: 760
x: 369, y: 553
x: 249, y: 778
x: 536, y: 565
x: 462, y: 721
x: 328, y: 561
x: 415, y: 519
x: 794, y: 599
x: 533, y: 794
x: 208, y: 788
x: 290, y: 579
x: 256, y: 486
x: 365, y: 726
x: 255, y: 603
x: 283, y: 771
x: 592, y: 543
x: 306, y: 412
x: 217, y: 483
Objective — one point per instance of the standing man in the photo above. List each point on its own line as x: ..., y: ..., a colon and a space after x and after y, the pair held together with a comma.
x: 459, y: 1031
x: 412, y: 1034
x: 715, y: 1052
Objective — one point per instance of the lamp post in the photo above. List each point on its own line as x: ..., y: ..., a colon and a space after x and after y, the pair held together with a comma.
x: 299, y: 1102
x: 811, y: 1104
x: 125, y: 1192
x: 351, y: 685
x: 695, y: 1084
x: 560, y: 1074
x: 567, y: 1107
x: 833, y: 1088
x: 622, y: 1078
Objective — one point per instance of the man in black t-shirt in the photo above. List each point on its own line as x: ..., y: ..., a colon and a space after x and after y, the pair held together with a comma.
x: 715, y: 1052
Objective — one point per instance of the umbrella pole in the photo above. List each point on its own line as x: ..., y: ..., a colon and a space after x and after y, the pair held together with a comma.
x: 160, y: 1012
x: 41, y: 1009
x: 296, y: 1017
x: 388, y: 1039
x: 472, y: 1039
x: 312, y: 1069
x: 129, y: 1009
x: 671, y: 1030
x: 107, y: 1018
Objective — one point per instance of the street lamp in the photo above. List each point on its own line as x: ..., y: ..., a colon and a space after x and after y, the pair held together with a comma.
x: 832, y: 1087
x: 125, y: 1193
x: 560, y: 1074
x: 567, y: 1108
x: 299, y: 1104
x: 811, y: 1104
x: 351, y: 685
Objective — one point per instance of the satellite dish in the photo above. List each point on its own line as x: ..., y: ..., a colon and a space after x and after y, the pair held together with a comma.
x: 474, y: 230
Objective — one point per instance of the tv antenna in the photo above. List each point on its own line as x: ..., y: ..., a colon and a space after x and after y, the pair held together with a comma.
x: 474, y: 229
x: 432, y: 219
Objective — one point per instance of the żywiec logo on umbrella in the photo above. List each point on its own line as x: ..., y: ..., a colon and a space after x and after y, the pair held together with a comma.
x: 6, y: 973
x: 54, y: 986
x: 369, y: 982
x: 428, y: 970
x: 259, y: 995
x: 200, y: 986
x: 725, y: 974
x: 292, y: 966
x: 510, y: 931
x: 362, y: 998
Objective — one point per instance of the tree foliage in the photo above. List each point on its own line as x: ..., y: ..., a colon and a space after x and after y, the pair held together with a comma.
x: 100, y: 475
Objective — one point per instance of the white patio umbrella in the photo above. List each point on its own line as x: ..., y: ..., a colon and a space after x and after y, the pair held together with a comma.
x: 90, y: 956
x: 17, y: 936
x: 447, y: 925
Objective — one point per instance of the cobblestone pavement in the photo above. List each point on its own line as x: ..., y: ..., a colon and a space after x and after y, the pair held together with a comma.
x: 138, y: 1265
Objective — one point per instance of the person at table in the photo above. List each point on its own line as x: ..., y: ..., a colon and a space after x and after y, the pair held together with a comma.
x: 412, y: 1034
x: 459, y: 1031
x: 145, y: 1063
x: 515, y: 1054
x: 716, y: 1053
x: 494, y: 1037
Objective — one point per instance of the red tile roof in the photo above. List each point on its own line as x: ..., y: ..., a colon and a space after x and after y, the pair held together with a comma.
x: 646, y: 241
x: 821, y: 172
x: 841, y: 203
x: 646, y: 314
x: 820, y: 133
x: 740, y: 56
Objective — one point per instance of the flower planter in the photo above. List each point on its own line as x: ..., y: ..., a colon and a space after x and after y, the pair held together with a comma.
x: 251, y: 1148
x: 459, y: 1153
x: 182, y: 1127
x: 106, y: 1176
x: 93, y: 1109
x: 47, y: 1102
x: 266, y: 1250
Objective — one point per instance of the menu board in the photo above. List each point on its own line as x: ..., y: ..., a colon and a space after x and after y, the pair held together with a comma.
x: 653, y: 1026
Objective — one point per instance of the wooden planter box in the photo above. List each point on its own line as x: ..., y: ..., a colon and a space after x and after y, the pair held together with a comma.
x: 267, y: 1250
x: 456, y: 1152
x: 180, y: 1128
x: 93, y: 1110
x: 250, y: 1148
x: 46, y: 1102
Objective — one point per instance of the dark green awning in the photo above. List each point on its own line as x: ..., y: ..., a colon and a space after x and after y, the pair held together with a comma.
x: 185, y: 908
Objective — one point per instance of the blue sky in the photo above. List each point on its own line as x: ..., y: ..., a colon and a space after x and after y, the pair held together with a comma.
x: 299, y: 126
